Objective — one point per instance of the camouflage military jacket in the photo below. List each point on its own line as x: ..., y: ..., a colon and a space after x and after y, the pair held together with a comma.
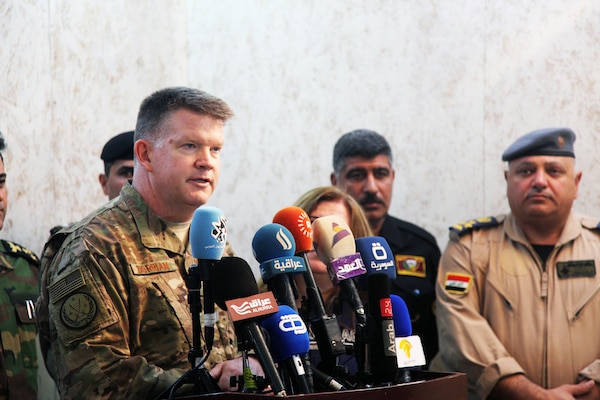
x: 113, y: 305
x: 18, y: 291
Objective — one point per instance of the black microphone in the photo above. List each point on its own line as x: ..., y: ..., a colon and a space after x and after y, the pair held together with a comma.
x: 234, y: 289
x: 383, y: 364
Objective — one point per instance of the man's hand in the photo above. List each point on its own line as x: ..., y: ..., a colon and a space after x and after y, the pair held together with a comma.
x: 518, y: 387
x: 223, y: 372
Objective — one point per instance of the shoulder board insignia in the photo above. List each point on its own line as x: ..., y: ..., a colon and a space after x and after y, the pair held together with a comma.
x: 18, y: 250
x: 468, y: 226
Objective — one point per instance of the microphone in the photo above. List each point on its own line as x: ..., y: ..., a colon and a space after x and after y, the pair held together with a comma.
x: 289, y: 344
x: 409, y: 349
x: 234, y: 289
x: 380, y: 331
x: 377, y: 256
x: 325, y: 328
x: 208, y: 235
x: 334, y: 244
x: 273, y: 247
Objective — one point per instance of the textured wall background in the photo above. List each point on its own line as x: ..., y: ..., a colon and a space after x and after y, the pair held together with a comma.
x: 450, y: 84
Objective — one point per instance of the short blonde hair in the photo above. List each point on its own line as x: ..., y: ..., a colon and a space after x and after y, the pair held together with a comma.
x: 358, y: 222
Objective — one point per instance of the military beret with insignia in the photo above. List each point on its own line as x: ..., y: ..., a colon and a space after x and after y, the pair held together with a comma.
x: 119, y: 147
x: 542, y: 142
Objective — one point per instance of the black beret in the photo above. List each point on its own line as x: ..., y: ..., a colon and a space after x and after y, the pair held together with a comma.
x: 542, y: 142
x: 119, y: 147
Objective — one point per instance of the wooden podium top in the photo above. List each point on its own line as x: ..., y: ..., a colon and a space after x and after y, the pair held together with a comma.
x: 425, y: 385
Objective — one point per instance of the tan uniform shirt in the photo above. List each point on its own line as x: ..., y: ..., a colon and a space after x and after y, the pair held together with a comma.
x: 114, y: 307
x: 501, y: 312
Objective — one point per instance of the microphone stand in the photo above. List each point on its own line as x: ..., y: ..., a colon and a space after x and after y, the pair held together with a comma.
x: 325, y: 327
x: 198, y: 375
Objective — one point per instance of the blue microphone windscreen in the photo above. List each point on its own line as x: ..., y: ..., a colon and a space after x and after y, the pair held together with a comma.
x: 232, y: 278
x: 208, y: 233
x: 402, y: 324
x: 288, y: 334
x: 377, y: 255
x: 273, y: 241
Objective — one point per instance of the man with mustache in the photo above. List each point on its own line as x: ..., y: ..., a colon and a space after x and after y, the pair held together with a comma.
x: 362, y: 166
x: 518, y: 294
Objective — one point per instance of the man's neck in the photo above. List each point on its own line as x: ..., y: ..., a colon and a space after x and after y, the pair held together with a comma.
x: 376, y: 226
x: 542, y: 233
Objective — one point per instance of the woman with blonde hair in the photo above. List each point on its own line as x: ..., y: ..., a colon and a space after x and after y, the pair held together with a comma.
x: 321, y: 202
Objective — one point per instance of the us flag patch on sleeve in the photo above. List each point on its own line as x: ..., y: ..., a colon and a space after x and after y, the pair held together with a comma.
x: 458, y: 283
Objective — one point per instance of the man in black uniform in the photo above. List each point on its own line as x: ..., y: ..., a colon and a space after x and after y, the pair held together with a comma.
x: 362, y: 166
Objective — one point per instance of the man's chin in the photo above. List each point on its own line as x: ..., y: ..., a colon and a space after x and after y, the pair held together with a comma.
x: 375, y: 214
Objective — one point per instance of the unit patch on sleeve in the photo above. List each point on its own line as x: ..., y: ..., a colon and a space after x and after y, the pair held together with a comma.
x: 78, y: 310
x: 410, y: 265
x: 458, y: 283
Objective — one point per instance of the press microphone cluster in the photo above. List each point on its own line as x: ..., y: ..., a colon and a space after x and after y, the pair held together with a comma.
x: 269, y: 323
x: 325, y: 327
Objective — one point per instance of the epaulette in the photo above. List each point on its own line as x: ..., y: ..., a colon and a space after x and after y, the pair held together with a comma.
x: 590, y: 223
x: 18, y: 250
x: 472, y: 224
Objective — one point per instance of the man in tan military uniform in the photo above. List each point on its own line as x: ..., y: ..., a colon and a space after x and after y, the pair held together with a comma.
x: 18, y: 291
x: 114, y: 315
x: 518, y: 294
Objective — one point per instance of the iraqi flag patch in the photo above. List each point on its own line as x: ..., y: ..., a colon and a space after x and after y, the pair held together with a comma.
x: 458, y: 283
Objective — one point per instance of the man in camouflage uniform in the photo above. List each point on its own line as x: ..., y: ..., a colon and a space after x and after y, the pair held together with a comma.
x: 18, y: 291
x: 113, y: 311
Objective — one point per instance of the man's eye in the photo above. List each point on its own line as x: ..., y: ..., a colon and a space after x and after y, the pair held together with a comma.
x: 381, y: 174
x: 355, y: 176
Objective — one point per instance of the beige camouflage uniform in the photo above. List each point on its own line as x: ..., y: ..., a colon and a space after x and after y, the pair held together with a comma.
x: 113, y: 305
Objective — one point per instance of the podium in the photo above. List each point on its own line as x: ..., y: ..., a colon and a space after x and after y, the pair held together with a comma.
x: 425, y: 385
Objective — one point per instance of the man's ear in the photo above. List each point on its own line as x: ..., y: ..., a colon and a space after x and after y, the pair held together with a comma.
x: 333, y: 179
x: 103, y: 179
x: 143, y: 153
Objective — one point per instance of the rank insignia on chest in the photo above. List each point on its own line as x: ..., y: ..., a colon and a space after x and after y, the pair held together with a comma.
x: 410, y: 265
x: 458, y: 283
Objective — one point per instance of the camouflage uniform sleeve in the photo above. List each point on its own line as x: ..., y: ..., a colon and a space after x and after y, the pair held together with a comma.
x: 89, y: 320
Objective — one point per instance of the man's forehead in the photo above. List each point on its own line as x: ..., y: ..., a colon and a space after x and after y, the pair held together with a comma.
x: 357, y: 162
x: 542, y: 160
